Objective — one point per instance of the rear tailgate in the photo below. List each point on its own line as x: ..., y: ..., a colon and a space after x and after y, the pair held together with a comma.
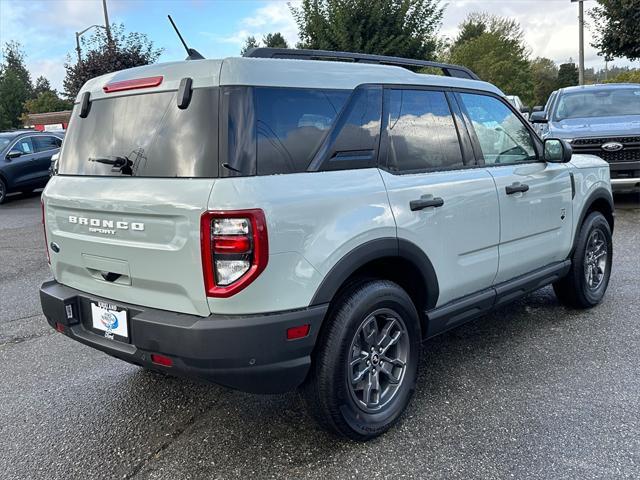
x: 134, y: 240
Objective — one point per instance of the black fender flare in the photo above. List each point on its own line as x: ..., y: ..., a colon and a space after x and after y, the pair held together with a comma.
x: 599, y: 193
x: 375, y: 250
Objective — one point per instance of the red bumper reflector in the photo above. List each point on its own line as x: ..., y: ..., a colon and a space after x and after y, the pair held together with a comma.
x: 59, y: 327
x: 132, y: 84
x: 298, y: 332
x: 161, y: 360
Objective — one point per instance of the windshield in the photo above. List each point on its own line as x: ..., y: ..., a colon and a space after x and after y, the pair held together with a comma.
x: 144, y: 135
x: 4, y: 141
x: 598, y: 103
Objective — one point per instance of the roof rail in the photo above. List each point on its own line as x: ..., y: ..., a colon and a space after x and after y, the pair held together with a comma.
x: 303, y: 54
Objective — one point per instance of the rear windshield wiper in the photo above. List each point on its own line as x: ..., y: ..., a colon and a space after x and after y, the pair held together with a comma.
x: 120, y: 164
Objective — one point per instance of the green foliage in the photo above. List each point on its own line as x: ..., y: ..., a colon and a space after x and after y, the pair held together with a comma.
x: 249, y: 43
x: 47, y: 102
x: 493, y: 48
x: 125, y: 50
x: 404, y: 28
x: 617, y: 28
x: 544, y: 75
x: 42, y: 85
x: 568, y: 75
x: 15, y: 86
x: 274, y: 40
x: 630, y: 76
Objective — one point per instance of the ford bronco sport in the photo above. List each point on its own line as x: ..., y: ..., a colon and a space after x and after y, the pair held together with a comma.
x: 266, y: 223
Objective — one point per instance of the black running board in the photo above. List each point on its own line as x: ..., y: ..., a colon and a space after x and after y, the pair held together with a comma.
x: 460, y: 311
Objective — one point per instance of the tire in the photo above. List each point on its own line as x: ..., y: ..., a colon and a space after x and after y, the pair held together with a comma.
x: 344, y: 407
x: 3, y: 191
x: 587, y: 280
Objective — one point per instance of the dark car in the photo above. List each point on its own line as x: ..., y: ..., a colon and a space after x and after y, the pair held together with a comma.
x: 602, y: 120
x: 25, y: 160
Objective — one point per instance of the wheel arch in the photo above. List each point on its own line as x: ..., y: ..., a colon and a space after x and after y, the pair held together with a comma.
x: 394, y: 259
x: 600, y: 200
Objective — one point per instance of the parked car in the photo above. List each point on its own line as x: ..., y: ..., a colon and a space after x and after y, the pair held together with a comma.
x: 268, y: 223
x: 25, y: 158
x: 602, y: 120
x: 517, y: 103
x: 540, y: 112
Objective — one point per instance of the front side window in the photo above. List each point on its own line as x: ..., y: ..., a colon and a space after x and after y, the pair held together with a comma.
x: 422, y: 133
x: 503, y: 137
x: 24, y: 145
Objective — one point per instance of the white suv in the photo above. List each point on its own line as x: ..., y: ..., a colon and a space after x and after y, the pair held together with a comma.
x: 268, y: 223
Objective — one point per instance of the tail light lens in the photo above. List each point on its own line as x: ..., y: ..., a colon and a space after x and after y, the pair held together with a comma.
x: 44, y: 227
x: 235, y: 249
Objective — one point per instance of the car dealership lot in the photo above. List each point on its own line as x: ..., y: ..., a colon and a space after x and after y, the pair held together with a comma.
x: 532, y: 391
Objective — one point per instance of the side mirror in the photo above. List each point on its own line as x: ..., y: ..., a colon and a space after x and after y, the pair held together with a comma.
x: 557, y: 150
x: 538, y: 108
x: 14, y: 154
x: 538, y: 117
x: 525, y: 110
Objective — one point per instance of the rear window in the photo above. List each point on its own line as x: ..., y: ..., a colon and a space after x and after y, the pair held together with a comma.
x: 148, y: 132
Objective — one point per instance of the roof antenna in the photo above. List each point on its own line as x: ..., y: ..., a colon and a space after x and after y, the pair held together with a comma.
x: 192, y: 54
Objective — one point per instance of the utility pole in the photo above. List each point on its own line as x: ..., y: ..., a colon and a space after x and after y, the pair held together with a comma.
x: 106, y: 21
x: 581, y: 40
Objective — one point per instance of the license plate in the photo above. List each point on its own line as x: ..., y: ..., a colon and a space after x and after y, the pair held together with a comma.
x: 110, y: 319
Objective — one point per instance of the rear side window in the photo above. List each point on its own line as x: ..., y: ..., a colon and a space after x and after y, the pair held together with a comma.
x: 290, y: 125
x: 42, y: 143
x: 422, y: 132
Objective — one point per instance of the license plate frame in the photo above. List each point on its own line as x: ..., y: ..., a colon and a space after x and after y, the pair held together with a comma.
x: 110, y: 320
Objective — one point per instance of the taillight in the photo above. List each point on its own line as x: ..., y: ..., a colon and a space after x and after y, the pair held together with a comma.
x: 44, y: 227
x: 235, y: 249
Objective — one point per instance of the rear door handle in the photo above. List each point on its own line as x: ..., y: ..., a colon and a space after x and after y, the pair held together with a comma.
x: 425, y: 201
x: 517, y: 187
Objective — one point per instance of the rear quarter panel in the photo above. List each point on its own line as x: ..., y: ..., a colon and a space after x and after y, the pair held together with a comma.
x: 313, y: 220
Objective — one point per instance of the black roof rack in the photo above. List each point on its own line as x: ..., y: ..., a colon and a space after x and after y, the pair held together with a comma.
x: 302, y: 54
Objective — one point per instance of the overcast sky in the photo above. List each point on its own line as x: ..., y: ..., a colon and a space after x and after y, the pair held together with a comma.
x: 217, y: 28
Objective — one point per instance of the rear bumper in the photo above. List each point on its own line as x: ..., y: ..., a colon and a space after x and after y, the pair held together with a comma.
x: 249, y: 353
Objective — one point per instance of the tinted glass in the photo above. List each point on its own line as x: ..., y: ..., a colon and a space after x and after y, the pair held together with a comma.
x: 353, y: 143
x: 290, y: 125
x: 607, y: 102
x: 422, y: 133
x: 150, y: 130
x: 24, y: 145
x: 42, y: 143
x: 502, y: 135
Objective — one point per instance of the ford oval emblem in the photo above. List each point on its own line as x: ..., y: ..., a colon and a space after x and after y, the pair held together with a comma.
x: 612, y: 147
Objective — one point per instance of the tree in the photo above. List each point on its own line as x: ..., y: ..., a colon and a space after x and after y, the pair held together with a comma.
x: 567, y: 75
x: 42, y: 85
x: 249, y: 43
x: 544, y: 76
x: 15, y: 86
x: 493, y: 48
x: 617, y: 28
x: 404, y: 28
x: 274, y: 40
x: 125, y: 50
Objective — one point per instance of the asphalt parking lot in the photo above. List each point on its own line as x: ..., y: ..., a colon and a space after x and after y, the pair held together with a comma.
x: 532, y: 391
